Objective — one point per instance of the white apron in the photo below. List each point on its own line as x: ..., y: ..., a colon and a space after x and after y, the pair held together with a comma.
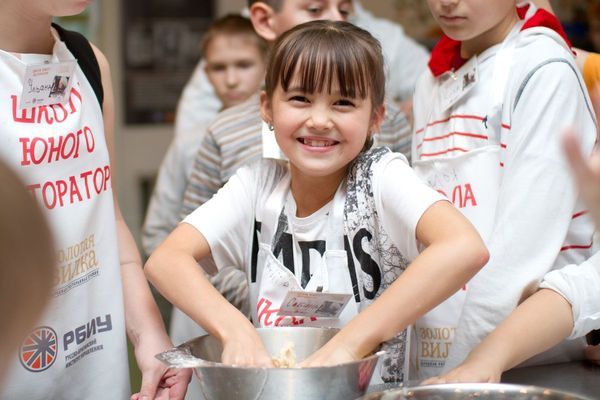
x: 77, y: 349
x: 472, y: 182
x: 274, y: 280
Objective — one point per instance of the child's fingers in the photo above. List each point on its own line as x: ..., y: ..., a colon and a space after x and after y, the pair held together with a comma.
x: 434, y: 381
x: 592, y: 353
x: 573, y: 153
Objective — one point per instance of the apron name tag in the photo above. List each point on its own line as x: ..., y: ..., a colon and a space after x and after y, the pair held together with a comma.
x: 47, y: 84
x: 312, y: 304
x: 459, y: 84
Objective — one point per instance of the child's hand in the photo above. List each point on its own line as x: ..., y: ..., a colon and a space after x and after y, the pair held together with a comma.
x: 586, y: 170
x: 592, y: 354
x: 245, y: 349
x: 332, y: 353
x: 471, y: 372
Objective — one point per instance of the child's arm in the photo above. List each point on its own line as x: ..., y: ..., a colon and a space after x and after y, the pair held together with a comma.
x: 454, y: 253
x: 143, y: 322
x: 539, y: 323
x: 174, y: 271
x: 566, y: 306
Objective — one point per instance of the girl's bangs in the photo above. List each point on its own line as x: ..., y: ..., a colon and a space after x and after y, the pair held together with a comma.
x: 325, y: 66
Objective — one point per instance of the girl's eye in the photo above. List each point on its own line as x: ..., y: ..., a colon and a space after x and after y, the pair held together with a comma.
x: 301, y: 99
x: 344, y: 103
x: 314, y: 10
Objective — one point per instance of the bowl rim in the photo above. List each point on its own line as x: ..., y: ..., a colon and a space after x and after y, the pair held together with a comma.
x: 480, y: 386
x: 212, y: 364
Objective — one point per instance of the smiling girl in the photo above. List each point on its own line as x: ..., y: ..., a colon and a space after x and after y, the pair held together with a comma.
x: 337, y: 218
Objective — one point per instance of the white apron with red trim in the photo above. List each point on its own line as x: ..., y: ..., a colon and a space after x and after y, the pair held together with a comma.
x: 274, y: 280
x: 475, y: 193
x: 77, y: 349
x: 471, y: 180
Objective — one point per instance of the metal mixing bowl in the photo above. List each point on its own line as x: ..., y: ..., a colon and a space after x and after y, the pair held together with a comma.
x: 218, y: 381
x: 474, y: 391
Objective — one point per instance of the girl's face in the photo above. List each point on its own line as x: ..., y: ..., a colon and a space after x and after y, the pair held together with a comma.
x: 320, y: 133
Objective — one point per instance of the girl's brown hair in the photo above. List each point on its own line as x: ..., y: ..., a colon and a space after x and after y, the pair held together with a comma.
x: 324, y: 53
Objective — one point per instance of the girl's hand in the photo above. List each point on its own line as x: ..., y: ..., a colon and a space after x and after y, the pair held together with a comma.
x: 470, y: 372
x: 333, y: 353
x: 245, y: 349
x: 592, y: 354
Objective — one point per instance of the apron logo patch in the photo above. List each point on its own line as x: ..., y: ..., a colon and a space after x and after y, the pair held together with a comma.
x: 39, y: 351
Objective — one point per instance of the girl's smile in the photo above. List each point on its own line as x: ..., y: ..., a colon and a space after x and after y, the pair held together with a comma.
x: 317, y: 144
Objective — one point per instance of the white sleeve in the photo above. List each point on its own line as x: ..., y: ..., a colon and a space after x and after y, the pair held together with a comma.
x: 580, y: 286
x: 536, y: 200
x: 227, y: 220
x: 198, y: 103
x: 401, y: 199
x: 164, y: 209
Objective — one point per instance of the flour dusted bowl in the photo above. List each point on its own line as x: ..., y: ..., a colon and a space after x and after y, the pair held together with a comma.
x: 220, y: 382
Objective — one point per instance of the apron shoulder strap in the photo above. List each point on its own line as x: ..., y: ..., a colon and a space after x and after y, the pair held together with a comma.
x: 82, y: 50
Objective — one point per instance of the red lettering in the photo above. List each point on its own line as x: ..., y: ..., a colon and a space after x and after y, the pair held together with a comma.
x: 79, y: 133
x: 24, y: 147
x: 65, y: 114
x: 469, y: 196
x: 462, y: 199
x: 266, y: 312
x: 61, y: 187
x: 98, y: 180
x: 75, y: 93
x: 106, y: 176
x: 49, y: 205
x: 44, y: 148
x: 85, y: 176
x: 457, y: 196
x: 55, y: 148
x: 89, y: 139
x: 69, y: 139
x: 74, y: 190
x: 43, y: 111
x: 23, y: 118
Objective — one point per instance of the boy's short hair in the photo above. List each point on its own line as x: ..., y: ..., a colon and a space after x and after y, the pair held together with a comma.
x: 325, y: 52
x: 232, y: 25
x: 274, y: 4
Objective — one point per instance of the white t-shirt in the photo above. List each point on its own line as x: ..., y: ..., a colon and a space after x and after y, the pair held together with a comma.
x: 385, y: 201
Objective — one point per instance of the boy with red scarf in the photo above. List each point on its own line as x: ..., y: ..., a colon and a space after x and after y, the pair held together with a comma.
x: 504, y: 82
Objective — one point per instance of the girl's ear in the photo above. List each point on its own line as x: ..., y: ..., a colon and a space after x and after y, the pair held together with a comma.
x: 377, y: 118
x: 266, y: 112
x: 261, y: 15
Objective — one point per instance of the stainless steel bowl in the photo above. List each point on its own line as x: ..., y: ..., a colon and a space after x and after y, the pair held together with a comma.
x: 218, y: 381
x: 475, y: 391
